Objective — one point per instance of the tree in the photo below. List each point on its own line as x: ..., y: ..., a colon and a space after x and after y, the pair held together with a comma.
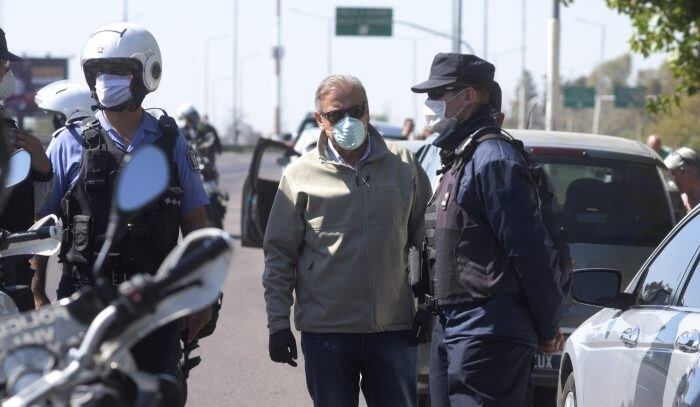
x: 671, y: 26
x: 530, y: 92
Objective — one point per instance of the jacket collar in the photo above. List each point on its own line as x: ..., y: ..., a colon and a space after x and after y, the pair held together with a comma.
x: 378, y: 148
x: 482, y: 117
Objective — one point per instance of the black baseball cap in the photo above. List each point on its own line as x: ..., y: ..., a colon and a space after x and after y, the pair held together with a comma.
x: 4, y: 53
x: 452, y: 68
x: 495, y: 96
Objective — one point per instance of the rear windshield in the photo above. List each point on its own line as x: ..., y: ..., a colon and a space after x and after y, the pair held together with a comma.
x: 608, y: 201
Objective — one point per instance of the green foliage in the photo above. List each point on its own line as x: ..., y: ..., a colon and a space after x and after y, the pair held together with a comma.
x: 670, y: 26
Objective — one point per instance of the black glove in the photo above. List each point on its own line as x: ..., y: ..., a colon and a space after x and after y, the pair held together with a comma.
x: 283, y: 347
x: 423, y: 325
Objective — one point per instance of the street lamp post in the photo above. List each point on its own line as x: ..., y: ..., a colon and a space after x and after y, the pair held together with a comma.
x: 207, y: 42
x: 329, y: 41
x: 599, y: 82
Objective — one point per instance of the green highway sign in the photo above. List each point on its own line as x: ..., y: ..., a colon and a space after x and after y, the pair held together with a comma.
x: 363, y: 21
x: 579, y: 97
x: 630, y: 97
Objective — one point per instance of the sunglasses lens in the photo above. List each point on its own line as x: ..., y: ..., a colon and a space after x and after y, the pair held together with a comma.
x: 357, y: 111
x: 436, y: 94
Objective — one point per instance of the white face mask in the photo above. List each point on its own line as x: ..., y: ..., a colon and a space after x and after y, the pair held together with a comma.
x: 434, y: 111
x: 7, y: 85
x: 349, y: 133
x: 113, y: 90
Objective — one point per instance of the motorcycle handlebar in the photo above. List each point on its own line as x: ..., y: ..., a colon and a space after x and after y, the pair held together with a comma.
x: 43, y: 232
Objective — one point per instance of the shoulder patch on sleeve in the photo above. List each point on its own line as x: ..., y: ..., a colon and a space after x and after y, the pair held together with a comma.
x: 192, y: 158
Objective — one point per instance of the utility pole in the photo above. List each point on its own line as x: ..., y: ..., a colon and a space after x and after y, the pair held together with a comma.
x: 457, y: 26
x: 234, y: 76
x: 125, y: 10
x: 601, y: 74
x: 486, y: 30
x: 522, y: 96
x: 553, y: 70
x: 277, y: 53
x: 207, y: 42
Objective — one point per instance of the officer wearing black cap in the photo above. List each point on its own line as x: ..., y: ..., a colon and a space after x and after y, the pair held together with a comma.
x: 495, y: 286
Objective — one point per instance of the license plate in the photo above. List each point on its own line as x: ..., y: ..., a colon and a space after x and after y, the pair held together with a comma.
x: 544, y: 361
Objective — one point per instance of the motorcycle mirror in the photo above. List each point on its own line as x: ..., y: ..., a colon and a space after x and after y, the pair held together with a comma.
x: 143, y: 178
x: 18, y: 168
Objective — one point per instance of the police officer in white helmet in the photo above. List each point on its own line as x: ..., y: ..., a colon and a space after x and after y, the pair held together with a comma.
x: 122, y: 64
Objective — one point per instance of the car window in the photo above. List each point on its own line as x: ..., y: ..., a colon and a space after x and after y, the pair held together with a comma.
x: 691, y: 294
x: 666, y: 269
x: 607, y: 201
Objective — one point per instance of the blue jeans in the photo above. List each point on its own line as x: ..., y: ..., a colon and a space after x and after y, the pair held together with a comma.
x: 382, y: 364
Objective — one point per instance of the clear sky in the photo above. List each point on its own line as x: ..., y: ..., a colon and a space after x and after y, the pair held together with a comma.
x: 385, y: 65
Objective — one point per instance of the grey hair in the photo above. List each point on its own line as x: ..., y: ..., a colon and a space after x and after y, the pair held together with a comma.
x: 335, y: 82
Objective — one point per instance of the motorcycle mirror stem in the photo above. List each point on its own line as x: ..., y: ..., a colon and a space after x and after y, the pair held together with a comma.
x: 143, y: 177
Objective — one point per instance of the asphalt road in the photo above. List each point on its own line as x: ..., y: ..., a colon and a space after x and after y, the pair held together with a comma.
x: 235, y: 368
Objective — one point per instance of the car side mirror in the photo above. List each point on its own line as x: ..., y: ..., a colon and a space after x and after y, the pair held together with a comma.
x: 18, y: 168
x: 599, y: 287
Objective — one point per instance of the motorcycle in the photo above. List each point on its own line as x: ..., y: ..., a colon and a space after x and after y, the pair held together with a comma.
x: 77, y: 351
x: 204, y: 148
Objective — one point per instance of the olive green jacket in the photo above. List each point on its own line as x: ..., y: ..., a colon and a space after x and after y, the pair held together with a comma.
x: 338, y: 239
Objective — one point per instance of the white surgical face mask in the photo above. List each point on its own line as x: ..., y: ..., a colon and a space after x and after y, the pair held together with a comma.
x: 434, y: 111
x: 7, y: 85
x: 349, y: 133
x: 113, y: 90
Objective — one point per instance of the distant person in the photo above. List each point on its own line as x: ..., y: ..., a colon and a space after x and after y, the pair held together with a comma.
x: 336, y: 245
x: 18, y: 215
x: 654, y: 142
x: 407, y: 129
x: 685, y: 168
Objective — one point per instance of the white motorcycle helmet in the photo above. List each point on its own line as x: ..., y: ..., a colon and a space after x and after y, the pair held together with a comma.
x: 68, y: 101
x: 184, y: 111
x: 128, y: 48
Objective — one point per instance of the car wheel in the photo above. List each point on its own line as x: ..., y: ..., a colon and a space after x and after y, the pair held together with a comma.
x: 568, y: 393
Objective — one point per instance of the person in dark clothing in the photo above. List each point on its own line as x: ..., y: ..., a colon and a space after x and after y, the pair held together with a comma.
x: 18, y: 214
x: 495, y: 277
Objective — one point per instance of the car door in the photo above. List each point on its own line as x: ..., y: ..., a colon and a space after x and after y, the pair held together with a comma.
x: 266, y: 166
x: 661, y: 352
x: 618, y: 365
x: 668, y: 364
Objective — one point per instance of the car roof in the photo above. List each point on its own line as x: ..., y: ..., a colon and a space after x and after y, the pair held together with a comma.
x: 587, y: 141
x: 595, y: 145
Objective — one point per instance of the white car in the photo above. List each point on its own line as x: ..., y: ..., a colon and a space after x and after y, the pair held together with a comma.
x: 642, y: 349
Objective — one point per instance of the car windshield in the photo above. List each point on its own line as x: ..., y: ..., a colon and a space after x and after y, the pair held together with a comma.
x: 608, y: 201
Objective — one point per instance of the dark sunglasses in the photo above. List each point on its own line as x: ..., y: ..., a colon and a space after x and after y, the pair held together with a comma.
x: 439, y: 93
x: 334, y: 116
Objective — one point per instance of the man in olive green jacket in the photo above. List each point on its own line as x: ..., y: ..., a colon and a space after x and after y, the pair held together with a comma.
x: 343, y: 219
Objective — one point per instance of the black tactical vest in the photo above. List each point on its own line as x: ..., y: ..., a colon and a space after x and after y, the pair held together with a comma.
x: 86, y: 206
x: 469, y: 263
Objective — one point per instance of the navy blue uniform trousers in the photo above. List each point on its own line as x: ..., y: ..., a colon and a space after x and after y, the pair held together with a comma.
x: 469, y: 371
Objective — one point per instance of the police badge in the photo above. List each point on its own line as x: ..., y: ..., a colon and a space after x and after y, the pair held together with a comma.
x: 192, y: 158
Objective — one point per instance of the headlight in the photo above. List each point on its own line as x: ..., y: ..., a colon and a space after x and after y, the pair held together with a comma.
x: 26, y: 364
